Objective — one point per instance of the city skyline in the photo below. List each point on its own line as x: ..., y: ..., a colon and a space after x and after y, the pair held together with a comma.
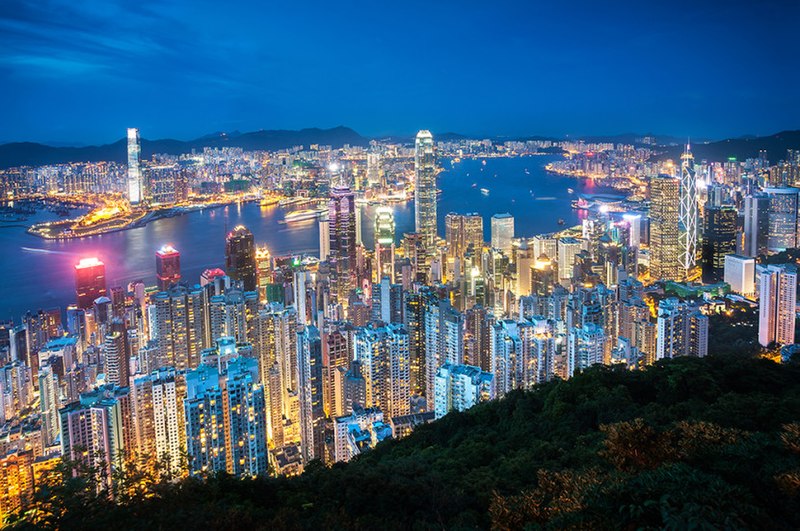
x: 579, y: 221
x: 156, y: 64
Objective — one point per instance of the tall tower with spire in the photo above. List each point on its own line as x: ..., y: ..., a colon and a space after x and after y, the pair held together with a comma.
x: 688, y: 212
x: 425, y: 189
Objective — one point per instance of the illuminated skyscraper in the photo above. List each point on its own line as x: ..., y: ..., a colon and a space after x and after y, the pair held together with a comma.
x: 263, y: 271
x: 664, y: 224
x: 90, y: 281
x: 503, y: 232
x: 777, y: 298
x: 688, y: 212
x: 324, y: 237
x: 461, y: 234
x: 342, y: 220
x: 756, y: 224
x: 783, y: 203
x: 310, y: 393
x: 425, y: 190
x: 567, y: 250
x: 374, y: 169
x: 240, y: 257
x: 384, y: 242
x: 168, y: 267
x: 134, y: 170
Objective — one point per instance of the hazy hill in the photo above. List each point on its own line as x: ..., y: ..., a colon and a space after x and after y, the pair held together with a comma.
x: 33, y: 154
x: 741, y: 148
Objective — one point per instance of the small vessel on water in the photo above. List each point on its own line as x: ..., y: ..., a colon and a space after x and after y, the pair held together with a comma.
x: 570, y: 190
x: 527, y: 172
x: 485, y: 191
x: 561, y: 221
x: 483, y: 162
x: 474, y: 185
x: 302, y: 215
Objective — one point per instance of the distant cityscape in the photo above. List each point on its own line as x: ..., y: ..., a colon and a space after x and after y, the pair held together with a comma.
x: 273, y: 362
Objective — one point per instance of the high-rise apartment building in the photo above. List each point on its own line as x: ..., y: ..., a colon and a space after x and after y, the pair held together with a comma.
x: 226, y: 425
x: 179, y: 325
x: 459, y: 387
x: 385, y: 364
x: 157, y: 400
x: 777, y: 299
x: 681, y: 330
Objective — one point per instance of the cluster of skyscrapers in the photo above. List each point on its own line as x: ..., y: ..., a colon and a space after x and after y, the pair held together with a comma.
x: 270, y: 362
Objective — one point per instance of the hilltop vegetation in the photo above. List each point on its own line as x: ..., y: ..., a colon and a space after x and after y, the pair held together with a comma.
x: 705, y: 443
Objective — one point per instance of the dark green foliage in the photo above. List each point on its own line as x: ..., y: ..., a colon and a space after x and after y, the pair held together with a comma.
x: 689, y: 443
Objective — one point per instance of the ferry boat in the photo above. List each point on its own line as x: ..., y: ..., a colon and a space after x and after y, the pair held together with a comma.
x: 302, y: 215
x: 485, y: 191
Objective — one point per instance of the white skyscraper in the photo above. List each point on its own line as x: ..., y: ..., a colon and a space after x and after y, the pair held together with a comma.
x: 459, y: 387
x: 503, y: 232
x: 134, y: 171
x: 688, y: 214
x: 585, y: 347
x: 777, y: 300
x: 324, y: 237
x: 568, y: 248
x: 740, y: 274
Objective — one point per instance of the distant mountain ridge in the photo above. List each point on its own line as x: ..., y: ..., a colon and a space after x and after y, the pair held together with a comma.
x: 740, y: 148
x: 35, y: 154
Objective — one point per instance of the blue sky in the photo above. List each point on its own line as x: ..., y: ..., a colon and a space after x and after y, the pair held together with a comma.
x: 82, y: 71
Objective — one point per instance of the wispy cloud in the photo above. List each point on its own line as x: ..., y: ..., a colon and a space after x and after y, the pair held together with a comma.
x: 112, y: 38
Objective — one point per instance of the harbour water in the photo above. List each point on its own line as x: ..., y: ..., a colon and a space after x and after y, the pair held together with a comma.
x: 39, y: 273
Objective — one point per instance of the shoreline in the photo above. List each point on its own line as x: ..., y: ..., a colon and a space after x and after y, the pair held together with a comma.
x: 169, y: 212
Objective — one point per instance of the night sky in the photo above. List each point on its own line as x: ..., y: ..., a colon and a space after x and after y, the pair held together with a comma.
x: 81, y: 71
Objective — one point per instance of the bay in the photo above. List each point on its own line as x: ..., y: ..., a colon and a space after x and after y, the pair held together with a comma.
x: 40, y: 273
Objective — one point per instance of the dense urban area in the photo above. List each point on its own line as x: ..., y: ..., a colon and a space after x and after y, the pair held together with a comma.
x: 272, y: 365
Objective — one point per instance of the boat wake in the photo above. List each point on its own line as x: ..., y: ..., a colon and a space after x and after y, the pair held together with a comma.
x: 44, y: 251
